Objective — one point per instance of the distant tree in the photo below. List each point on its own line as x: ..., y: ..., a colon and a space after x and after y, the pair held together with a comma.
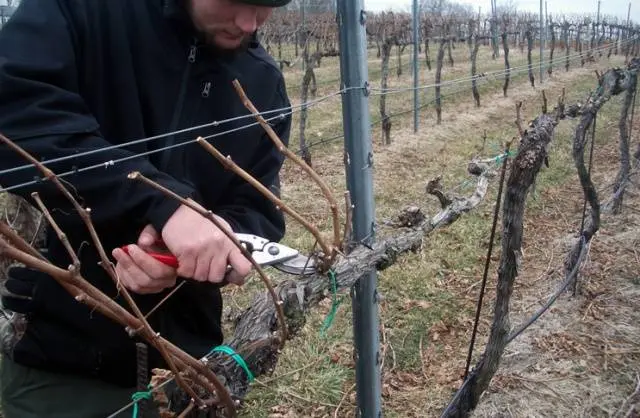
x: 313, y: 6
x: 446, y: 8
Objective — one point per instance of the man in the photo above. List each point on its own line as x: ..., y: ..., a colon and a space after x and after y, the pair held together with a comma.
x: 80, y: 77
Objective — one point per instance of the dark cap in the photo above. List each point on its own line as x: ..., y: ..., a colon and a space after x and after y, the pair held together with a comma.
x: 266, y: 3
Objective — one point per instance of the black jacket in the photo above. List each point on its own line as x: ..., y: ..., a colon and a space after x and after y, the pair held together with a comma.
x: 84, y: 75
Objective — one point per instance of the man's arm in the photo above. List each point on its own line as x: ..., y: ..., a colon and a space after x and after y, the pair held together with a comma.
x: 42, y: 111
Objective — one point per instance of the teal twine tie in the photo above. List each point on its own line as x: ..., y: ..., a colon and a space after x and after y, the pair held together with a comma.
x: 238, y: 359
x: 335, y: 303
x: 137, y: 397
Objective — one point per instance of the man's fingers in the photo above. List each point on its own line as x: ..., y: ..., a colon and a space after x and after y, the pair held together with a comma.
x: 133, y: 271
x: 148, y: 237
x: 149, y: 265
x: 126, y: 271
x: 217, y: 269
x: 219, y: 258
x: 203, y: 250
x: 203, y: 263
x: 241, y: 267
x: 239, y: 262
x: 187, y: 265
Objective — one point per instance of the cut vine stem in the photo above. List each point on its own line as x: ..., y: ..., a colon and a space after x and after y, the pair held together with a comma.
x: 229, y: 164
x: 333, y: 204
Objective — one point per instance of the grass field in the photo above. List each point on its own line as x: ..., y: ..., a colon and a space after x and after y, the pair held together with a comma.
x: 571, y: 363
x: 582, y: 358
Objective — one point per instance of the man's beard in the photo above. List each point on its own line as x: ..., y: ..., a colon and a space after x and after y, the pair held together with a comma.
x: 227, y: 53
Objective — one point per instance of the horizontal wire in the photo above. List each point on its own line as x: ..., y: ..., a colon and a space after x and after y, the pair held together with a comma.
x: 110, y: 163
x: 294, y: 109
x: 495, y: 73
x: 423, y: 105
x: 378, y: 120
x: 132, y: 403
x: 291, y: 109
x: 557, y: 60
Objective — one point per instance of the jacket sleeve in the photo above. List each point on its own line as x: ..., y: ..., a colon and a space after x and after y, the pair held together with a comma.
x: 244, y: 207
x: 42, y: 111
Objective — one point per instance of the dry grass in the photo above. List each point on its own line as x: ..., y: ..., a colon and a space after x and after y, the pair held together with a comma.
x: 581, y: 359
x: 429, y: 297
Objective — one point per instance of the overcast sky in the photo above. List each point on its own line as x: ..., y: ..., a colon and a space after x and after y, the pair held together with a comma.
x: 607, y: 7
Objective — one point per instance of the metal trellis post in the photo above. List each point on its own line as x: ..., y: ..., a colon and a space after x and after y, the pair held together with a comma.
x: 351, y: 18
x: 542, y: 39
x: 415, y: 65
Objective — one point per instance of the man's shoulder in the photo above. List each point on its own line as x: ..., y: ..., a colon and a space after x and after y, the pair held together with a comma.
x: 258, y: 54
x: 102, y: 9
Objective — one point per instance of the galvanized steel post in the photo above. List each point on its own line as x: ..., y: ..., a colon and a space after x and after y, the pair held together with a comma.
x: 542, y: 39
x: 416, y: 63
x: 351, y: 18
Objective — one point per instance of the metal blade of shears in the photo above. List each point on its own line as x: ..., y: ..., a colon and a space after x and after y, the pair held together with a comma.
x: 299, y: 265
x: 264, y: 253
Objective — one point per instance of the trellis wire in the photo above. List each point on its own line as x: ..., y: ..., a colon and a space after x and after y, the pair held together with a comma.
x: 496, y: 73
x: 403, y: 112
x: 292, y: 109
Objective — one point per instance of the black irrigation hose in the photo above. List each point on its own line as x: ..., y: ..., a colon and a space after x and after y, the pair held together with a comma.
x: 633, y: 108
x: 496, y: 215
x: 563, y: 286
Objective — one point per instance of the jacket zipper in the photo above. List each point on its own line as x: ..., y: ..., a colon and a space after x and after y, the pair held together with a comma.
x: 191, y: 59
x: 206, y: 89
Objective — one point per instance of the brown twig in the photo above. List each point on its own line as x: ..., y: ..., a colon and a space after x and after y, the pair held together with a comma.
x: 164, y: 299
x: 187, y: 410
x: 83, y: 213
x: 210, y: 216
x: 230, y: 165
x: 18, y: 242
x: 84, y: 292
x: 61, y: 235
x: 544, y: 102
x: 344, y: 397
x: 71, y: 282
x: 300, y: 162
x: 519, y: 119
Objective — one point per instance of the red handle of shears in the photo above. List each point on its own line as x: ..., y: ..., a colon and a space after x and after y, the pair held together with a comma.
x: 167, y: 259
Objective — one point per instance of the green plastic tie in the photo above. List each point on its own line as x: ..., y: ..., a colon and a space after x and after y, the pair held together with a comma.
x: 137, y: 397
x: 229, y: 351
x: 334, y: 304
x: 501, y: 157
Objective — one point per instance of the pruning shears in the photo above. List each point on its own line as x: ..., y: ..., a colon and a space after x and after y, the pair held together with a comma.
x: 264, y: 253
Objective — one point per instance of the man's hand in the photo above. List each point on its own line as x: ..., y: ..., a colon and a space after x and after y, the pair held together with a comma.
x: 203, y: 251
x: 140, y: 272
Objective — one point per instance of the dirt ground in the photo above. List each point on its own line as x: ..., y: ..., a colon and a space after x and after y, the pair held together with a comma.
x: 582, y: 358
